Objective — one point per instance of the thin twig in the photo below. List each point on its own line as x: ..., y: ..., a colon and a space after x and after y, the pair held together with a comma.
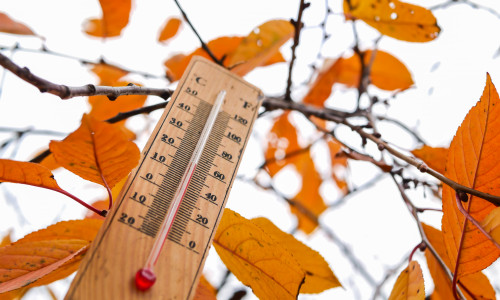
x: 296, y: 39
x: 204, y: 46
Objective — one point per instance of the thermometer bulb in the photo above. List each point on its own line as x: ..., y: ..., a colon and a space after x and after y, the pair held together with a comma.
x: 144, y: 279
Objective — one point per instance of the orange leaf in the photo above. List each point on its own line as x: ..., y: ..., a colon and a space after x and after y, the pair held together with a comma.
x: 39, y: 254
x: 434, y: 157
x: 386, y: 72
x: 27, y: 173
x: 338, y: 162
x: 400, y: 20
x: 170, y: 29
x: 308, y: 201
x: 96, y: 151
x: 473, y: 161
x: 10, y: 26
x: 6, y: 239
x: 282, y: 141
x: 477, y: 285
x: 220, y: 47
x: 260, y: 45
x: 319, y: 276
x: 256, y: 259
x: 115, y: 14
x: 491, y: 224
x: 205, y: 291
x: 410, y: 284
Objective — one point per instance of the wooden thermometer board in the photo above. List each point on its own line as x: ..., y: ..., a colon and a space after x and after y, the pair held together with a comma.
x: 125, y: 240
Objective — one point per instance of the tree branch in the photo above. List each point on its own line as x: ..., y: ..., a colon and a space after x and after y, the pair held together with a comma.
x: 66, y: 92
x: 203, y: 44
x: 296, y: 39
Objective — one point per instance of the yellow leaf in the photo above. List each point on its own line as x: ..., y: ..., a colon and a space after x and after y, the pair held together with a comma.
x: 473, y: 161
x: 170, y: 29
x: 386, y: 73
x: 115, y: 15
x: 410, y: 284
x: 474, y: 286
x: 27, y: 173
x: 434, y: 157
x: 46, y: 255
x: 205, y: 291
x: 319, y: 276
x: 256, y: 259
x: 97, y: 152
x: 400, y: 20
x: 260, y: 45
x: 10, y: 26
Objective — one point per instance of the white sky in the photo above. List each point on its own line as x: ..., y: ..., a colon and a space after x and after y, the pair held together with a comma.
x: 374, y: 223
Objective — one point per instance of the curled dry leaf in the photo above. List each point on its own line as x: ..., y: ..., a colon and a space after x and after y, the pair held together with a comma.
x: 46, y: 255
x: 9, y: 25
x: 473, y: 161
x: 400, y: 20
x: 256, y: 259
x: 97, y: 151
x: 410, y: 284
x: 386, y: 72
x: 473, y: 286
x: 115, y: 15
x: 434, y: 157
x: 170, y: 29
x: 319, y: 276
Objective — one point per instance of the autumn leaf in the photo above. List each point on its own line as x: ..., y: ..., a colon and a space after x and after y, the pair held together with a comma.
x: 308, y: 204
x: 220, y: 47
x: 410, y: 284
x: 282, y: 145
x: 27, y: 173
x: 205, y: 291
x: 400, y: 20
x: 491, y: 224
x: 319, y: 276
x: 9, y: 25
x: 46, y: 255
x: 475, y: 286
x: 386, y: 72
x: 242, y: 54
x: 115, y: 15
x: 260, y: 45
x: 102, y: 107
x: 97, y: 152
x: 473, y: 161
x: 338, y: 162
x: 6, y: 239
x: 170, y: 29
x: 256, y: 259
x: 434, y: 157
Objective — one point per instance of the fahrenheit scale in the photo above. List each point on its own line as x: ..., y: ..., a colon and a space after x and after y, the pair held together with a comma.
x: 168, y: 211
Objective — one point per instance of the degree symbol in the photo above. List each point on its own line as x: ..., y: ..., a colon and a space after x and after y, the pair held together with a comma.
x: 201, y: 81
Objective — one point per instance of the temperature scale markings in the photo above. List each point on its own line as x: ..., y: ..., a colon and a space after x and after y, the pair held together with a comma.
x: 171, y: 179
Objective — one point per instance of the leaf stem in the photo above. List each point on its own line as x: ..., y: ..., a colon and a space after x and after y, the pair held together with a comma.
x: 102, y: 213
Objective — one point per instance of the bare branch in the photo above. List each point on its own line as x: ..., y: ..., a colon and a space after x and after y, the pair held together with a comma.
x: 66, y: 92
x: 296, y: 39
x: 203, y: 44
